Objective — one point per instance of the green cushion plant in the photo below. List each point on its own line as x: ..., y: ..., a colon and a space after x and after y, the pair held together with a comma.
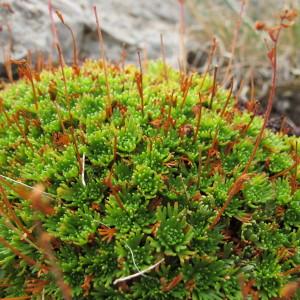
x: 137, y: 177
x: 123, y: 183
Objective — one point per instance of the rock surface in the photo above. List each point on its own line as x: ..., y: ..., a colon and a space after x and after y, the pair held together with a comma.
x: 131, y: 24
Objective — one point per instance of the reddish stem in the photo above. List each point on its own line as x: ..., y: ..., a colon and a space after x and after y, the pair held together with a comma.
x: 214, y: 87
x: 209, y: 60
x: 227, y: 100
x: 181, y: 40
x: 139, y: 82
x: 199, y: 114
x: 102, y: 53
x: 237, y: 185
x: 61, y: 62
x: 75, y: 52
x: 163, y: 54
x: 18, y: 253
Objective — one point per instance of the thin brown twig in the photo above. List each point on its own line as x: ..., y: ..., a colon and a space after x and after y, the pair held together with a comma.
x: 274, y: 34
x: 27, y: 259
x: 103, y: 57
x: 214, y: 87
x: 13, y: 215
x: 182, y: 51
x: 227, y: 100
x: 75, y: 51
x: 234, y: 41
x: 163, y: 54
x: 61, y: 62
x: 139, y: 82
x: 209, y: 59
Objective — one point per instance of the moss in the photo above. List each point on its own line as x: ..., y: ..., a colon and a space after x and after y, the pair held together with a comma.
x: 132, y: 179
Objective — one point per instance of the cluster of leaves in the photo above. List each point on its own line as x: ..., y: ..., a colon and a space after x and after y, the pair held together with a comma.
x: 136, y: 168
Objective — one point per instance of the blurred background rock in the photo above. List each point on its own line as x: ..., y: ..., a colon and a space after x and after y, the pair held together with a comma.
x: 130, y: 24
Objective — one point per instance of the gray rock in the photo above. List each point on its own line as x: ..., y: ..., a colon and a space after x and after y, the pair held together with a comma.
x: 125, y: 23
